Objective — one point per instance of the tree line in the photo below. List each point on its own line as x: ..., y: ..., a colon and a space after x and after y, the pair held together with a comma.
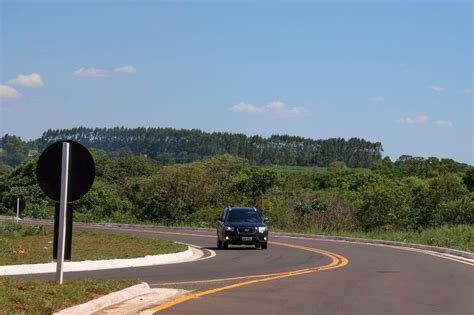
x: 168, y: 145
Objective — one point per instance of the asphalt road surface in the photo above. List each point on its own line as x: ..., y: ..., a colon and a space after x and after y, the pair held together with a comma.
x: 303, y: 276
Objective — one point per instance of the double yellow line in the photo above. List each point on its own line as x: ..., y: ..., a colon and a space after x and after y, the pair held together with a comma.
x: 337, y: 261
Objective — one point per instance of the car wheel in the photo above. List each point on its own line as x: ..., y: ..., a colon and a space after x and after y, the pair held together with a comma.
x: 264, y: 245
x: 225, y: 245
x: 219, y: 243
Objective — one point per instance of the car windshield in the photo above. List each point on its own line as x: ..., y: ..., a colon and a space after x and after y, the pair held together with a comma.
x: 250, y: 216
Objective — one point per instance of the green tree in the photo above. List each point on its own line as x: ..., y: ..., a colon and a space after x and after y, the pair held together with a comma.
x: 447, y: 187
x: 468, y: 178
x: 459, y: 211
x: 384, y: 205
x: 13, y: 150
x: 338, y: 167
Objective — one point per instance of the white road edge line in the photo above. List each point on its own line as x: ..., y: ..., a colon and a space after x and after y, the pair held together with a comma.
x: 465, y: 261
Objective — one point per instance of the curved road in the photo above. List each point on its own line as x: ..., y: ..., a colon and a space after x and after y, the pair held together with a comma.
x: 303, y: 276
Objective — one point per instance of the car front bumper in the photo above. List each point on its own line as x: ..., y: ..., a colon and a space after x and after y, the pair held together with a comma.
x: 238, y: 239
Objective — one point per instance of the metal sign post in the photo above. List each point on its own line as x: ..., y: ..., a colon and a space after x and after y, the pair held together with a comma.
x: 17, y: 209
x: 62, y: 210
x: 17, y: 205
x: 65, y: 172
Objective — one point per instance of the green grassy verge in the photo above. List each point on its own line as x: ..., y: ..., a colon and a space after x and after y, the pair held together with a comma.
x: 459, y: 237
x: 46, y: 297
x: 27, y: 245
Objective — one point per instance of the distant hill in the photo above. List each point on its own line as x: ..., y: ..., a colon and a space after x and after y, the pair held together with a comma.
x: 169, y: 145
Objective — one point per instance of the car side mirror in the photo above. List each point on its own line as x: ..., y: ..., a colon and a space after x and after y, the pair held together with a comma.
x: 266, y: 220
x: 220, y: 219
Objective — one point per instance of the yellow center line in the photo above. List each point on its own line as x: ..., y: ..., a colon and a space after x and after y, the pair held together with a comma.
x: 319, y: 251
x: 310, y: 249
x: 337, y: 261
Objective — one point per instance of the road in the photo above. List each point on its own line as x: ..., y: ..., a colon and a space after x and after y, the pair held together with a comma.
x: 303, y: 276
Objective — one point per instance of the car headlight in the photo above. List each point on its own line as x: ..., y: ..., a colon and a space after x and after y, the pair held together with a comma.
x: 262, y: 229
x: 229, y: 228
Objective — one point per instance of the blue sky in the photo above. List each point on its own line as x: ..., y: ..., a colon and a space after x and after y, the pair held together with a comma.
x: 398, y: 72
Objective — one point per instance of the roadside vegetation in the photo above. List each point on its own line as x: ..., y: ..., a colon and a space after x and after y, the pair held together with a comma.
x: 430, y: 201
x: 47, y: 297
x: 459, y: 237
x: 33, y: 244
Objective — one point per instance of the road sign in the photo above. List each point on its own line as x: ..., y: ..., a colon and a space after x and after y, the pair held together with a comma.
x: 81, y: 170
x: 65, y: 173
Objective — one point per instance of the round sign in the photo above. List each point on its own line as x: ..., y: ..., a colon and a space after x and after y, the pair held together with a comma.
x: 81, y: 170
x: 18, y: 202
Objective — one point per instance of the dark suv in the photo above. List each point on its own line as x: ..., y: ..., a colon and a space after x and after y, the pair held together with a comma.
x: 241, y: 226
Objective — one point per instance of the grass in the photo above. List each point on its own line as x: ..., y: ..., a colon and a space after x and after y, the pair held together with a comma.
x: 27, y: 245
x: 46, y: 297
x: 459, y: 237
x: 33, y: 244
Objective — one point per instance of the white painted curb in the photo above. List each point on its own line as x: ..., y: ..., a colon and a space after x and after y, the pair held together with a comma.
x: 108, y: 300
x: 88, y: 265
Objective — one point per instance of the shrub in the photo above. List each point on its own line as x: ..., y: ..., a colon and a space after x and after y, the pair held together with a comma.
x: 14, y: 229
x: 457, y: 212
x: 384, y: 205
x: 334, y: 213
x: 205, y: 217
x: 41, y: 210
x: 100, y: 203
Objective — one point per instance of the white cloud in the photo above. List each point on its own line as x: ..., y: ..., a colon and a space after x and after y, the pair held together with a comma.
x: 27, y: 80
x: 90, y: 72
x: 126, y: 69
x: 245, y: 107
x: 444, y: 124
x: 7, y: 92
x: 467, y: 91
x: 416, y: 120
x: 276, y: 106
x: 378, y: 99
x: 272, y: 109
x: 437, y: 88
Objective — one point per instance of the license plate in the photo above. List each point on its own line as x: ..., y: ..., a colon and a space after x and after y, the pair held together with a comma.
x: 245, y: 239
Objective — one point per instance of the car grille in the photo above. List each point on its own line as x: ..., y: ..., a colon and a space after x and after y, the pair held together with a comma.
x: 246, y: 230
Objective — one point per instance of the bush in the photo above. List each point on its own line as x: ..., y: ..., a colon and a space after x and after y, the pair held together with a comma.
x: 100, y: 203
x: 14, y: 229
x: 468, y: 178
x: 384, y: 205
x: 422, y: 208
x: 335, y: 213
x: 457, y: 212
x: 338, y: 167
x: 448, y: 187
x: 41, y: 210
x: 205, y: 217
